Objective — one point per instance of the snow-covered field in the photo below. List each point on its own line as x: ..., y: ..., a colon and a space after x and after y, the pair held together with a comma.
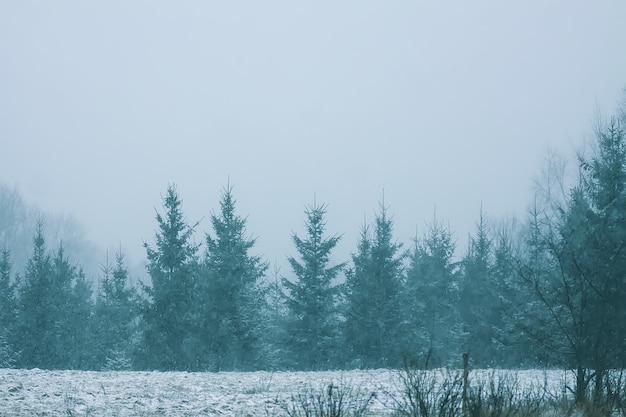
x: 75, y: 393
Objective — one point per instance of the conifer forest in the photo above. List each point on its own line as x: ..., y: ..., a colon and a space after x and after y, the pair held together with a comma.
x: 544, y: 291
x: 548, y: 290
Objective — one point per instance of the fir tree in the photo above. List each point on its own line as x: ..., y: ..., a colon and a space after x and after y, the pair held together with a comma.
x: 7, y: 292
x: 576, y: 264
x: 232, y: 294
x: 7, y: 311
x: 275, y: 316
x: 477, y: 296
x: 115, y: 318
x: 72, y: 307
x: 512, y: 348
x: 373, y: 321
x: 312, y: 299
x: 172, y: 266
x: 432, y: 289
x: 35, y: 335
x: 54, y: 307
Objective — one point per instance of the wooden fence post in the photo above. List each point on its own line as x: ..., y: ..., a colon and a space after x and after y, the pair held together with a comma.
x: 465, y: 376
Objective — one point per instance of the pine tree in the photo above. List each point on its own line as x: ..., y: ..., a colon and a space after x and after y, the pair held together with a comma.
x: 54, y: 307
x: 432, y: 289
x: 172, y: 266
x: 374, y: 321
x: 512, y: 348
x: 275, y: 316
x: 72, y: 307
x: 576, y: 265
x: 7, y: 311
x: 34, y: 336
x: 7, y: 292
x: 232, y: 293
x: 478, y: 296
x: 358, y: 325
x: 594, y: 254
x: 115, y: 318
x: 312, y: 298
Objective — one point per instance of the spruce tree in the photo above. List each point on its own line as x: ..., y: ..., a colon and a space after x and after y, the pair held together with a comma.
x: 576, y: 264
x: 7, y: 311
x: 275, y: 316
x: 478, y: 296
x: 374, y: 320
x: 511, y: 347
x: 7, y: 293
x: 168, y: 314
x: 312, y: 299
x: 35, y: 334
x: 72, y: 307
x: 432, y: 288
x: 231, y: 293
x: 54, y: 308
x: 358, y: 325
x: 115, y: 318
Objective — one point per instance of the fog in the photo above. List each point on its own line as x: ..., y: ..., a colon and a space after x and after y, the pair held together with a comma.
x: 443, y: 105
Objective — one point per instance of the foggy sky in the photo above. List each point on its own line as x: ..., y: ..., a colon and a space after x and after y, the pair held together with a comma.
x: 441, y: 104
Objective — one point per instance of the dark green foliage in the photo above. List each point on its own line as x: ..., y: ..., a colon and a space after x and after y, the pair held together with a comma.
x: 168, y: 316
x: 511, y: 348
x: 432, y: 298
x: 551, y: 293
x: 313, y: 325
x: 7, y: 292
x: 53, y: 311
x: 116, y: 315
x: 479, y: 297
x: 275, y: 316
x: 8, y: 355
x: 35, y: 320
x: 373, y: 288
x: 576, y: 267
x: 232, y: 295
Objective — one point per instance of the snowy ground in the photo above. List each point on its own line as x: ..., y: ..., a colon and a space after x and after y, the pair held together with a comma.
x: 75, y: 393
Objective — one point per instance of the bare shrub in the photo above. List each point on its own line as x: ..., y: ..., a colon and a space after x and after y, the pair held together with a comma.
x: 616, y: 391
x: 611, y: 401
x: 333, y: 400
x: 439, y: 393
x: 425, y: 393
x: 501, y: 395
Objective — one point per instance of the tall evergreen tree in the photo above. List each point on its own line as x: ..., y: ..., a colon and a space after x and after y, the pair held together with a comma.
x: 54, y: 307
x: 374, y: 319
x: 432, y: 288
x: 577, y: 266
x: 232, y: 292
x: 172, y: 266
x: 7, y: 292
x: 72, y: 306
x: 115, y: 318
x: 478, y: 296
x: 312, y: 299
x: 34, y: 336
x: 511, y: 348
x: 7, y: 311
x: 275, y: 316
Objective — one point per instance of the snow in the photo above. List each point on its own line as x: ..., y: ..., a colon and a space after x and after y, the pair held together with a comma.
x: 78, y: 393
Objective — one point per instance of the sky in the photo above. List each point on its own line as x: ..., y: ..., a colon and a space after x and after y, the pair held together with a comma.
x: 443, y: 105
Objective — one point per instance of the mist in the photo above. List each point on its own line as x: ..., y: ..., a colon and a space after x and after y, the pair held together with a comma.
x: 444, y: 107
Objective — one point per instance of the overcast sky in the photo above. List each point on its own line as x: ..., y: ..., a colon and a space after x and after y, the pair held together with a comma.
x: 439, y: 103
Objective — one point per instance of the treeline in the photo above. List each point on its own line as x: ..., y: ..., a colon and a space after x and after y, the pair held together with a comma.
x: 549, y: 292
